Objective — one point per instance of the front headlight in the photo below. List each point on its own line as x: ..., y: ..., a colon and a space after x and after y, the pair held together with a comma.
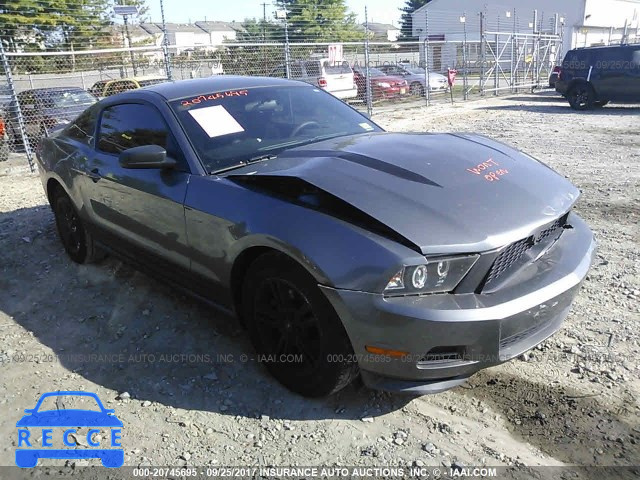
x: 384, y: 84
x: 437, y: 275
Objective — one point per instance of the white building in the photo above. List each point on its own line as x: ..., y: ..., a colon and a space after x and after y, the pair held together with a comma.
x: 579, y: 22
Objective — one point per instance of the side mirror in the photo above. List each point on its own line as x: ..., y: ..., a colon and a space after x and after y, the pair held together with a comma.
x: 146, y: 156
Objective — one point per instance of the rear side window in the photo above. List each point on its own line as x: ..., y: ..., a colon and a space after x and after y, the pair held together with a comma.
x: 336, y: 69
x: 133, y: 125
x: 119, y: 87
x: 83, y: 127
x: 575, y: 60
x: 312, y: 68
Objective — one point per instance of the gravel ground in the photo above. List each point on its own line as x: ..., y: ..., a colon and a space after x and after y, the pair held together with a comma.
x: 174, y: 372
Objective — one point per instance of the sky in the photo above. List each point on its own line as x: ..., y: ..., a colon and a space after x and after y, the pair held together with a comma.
x: 182, y: 11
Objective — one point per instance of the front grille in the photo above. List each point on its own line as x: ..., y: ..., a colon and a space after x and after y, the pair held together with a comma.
x: 514, y: 252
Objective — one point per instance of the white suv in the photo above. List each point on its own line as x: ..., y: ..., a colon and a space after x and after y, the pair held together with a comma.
x: 336, y: 78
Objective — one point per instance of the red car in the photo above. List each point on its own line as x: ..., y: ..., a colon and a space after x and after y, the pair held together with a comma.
x: 382, y: 85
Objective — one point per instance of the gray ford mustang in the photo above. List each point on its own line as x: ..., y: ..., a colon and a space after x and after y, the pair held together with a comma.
x: 412, y: 260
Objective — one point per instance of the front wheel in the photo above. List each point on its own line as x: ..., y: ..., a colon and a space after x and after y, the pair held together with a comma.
x: 76, y: 240
x: 581, y: 97
x: 294, y: 329
x: 416, y: 90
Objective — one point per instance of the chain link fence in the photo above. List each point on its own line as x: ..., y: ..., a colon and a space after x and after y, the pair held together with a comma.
x: 489, y: 53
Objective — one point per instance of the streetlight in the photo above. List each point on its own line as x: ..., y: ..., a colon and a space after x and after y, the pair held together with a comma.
x: 125, y: 11
x: 282, y: 14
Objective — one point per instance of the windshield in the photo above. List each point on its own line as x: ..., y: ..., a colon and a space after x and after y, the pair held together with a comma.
x: 67, y: 99
x: 233, y: 127
x: 69, y: 402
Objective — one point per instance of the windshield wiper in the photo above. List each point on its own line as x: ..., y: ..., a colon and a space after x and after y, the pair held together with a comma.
x: 244, y: 163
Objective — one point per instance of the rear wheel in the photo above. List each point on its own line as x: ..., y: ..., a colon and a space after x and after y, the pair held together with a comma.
x: 600, y: 103
x: 77, y: 241
x: 581, y: 97
x: 294, y: 329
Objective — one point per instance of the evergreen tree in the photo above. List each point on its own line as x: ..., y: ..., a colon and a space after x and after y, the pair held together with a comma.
x: 321, y: 21
x: 406, y: 20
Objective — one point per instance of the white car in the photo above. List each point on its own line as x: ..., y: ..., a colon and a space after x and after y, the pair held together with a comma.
x: 336, y: 78
x: 415, y: 77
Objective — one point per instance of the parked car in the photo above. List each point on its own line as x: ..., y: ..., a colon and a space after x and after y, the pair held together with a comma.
x: 594, y: 76
x: 416, y: 78
x: 106, y: 88
x: 4, y: 140
x: 5, y: 100
x: 336, y: 78
x: 553, y: 77
x: 344, y: 249
x: 44, y: 109
x: 382, y: 85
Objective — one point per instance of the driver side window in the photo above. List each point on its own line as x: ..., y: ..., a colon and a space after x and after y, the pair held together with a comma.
x: 133, y: 125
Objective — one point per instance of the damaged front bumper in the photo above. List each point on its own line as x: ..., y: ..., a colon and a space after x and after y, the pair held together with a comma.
x: 448, y: 337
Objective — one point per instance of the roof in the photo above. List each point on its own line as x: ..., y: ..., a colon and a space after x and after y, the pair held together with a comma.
x: 218, y: 26
x: 381, y: 27
x: 202, y: 86
x: 182, y: 27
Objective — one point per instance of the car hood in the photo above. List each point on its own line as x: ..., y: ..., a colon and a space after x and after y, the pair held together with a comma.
x: 69, y: 418
x: 435, y: 190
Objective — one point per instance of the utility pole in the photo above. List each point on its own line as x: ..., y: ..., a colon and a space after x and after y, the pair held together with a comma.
x: 264, y: 21
x: 165, y: 43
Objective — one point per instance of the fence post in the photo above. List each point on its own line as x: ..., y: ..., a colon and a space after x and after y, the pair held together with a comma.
x: 18, y: 110
x: 427, y: 89
x: 287, y: 59
x: 367, y: 77
x: 465, y: 80
x: 483, y: 53
x: 496, y: 72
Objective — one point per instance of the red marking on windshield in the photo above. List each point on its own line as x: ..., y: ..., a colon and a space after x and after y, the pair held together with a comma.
x: 214, y: 96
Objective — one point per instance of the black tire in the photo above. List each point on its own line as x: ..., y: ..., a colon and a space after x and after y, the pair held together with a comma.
x: 416, y: 89
x: 600, y: 103
x: 581, y: 97
x: 75, y: 238
x: 286, y: 314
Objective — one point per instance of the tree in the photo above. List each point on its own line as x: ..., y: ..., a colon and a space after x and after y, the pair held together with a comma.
x: 406, y: 19
x: 17, y: 20
x: 255, y: 31
x: 60, y: 24
x: 320, y: 21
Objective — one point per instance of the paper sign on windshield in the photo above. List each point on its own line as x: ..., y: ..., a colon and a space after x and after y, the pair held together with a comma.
x: 216, y: 121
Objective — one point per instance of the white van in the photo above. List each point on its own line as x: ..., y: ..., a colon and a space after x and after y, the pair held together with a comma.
x: 336, y: 78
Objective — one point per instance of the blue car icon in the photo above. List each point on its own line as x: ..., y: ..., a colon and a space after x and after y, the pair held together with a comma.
x: 40, y: 422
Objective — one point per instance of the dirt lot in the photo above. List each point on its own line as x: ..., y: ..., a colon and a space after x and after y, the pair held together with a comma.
x: 191, y: 398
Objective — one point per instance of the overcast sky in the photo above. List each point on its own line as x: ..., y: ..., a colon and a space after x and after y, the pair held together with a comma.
x: 182, y: 11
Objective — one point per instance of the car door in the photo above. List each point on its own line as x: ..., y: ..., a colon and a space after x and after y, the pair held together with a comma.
x: 608, y: 74
x: 139, y: 212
